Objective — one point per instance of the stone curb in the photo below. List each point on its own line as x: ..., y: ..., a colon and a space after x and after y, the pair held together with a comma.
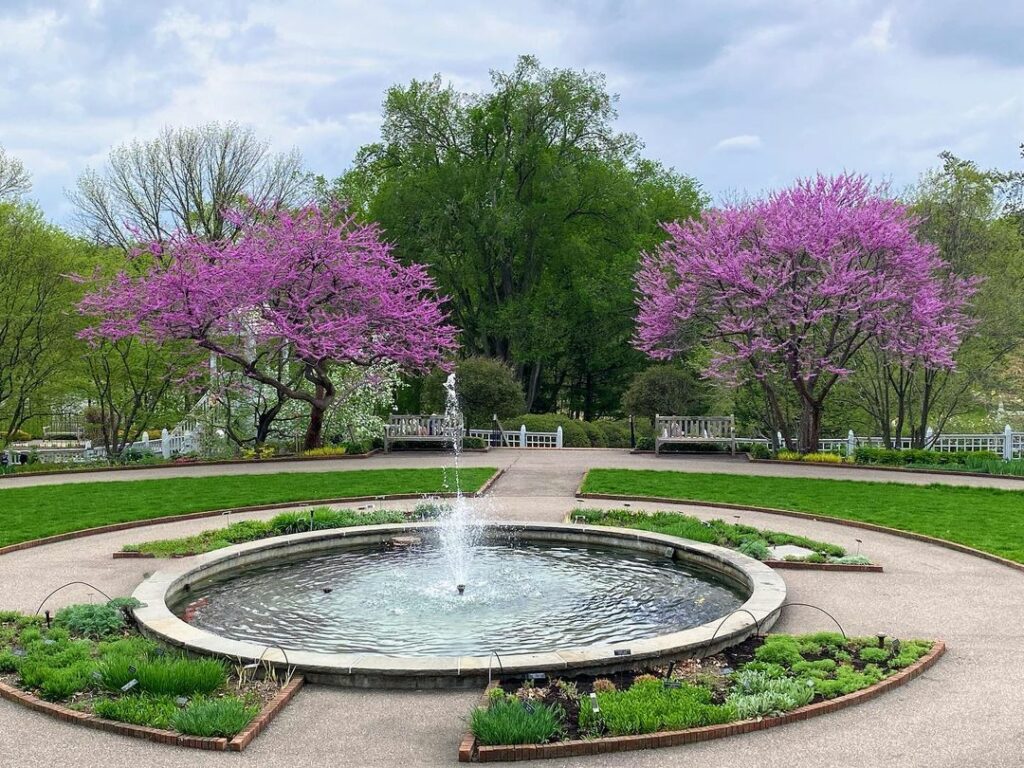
x: 812, y: 516
x: 880, y: 468
x: 157, y: 735
x: 484, y: 754
x: 114, y: 527
x: 180, y: 464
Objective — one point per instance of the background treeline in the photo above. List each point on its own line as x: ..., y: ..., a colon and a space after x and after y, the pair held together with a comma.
x: 530, y: 210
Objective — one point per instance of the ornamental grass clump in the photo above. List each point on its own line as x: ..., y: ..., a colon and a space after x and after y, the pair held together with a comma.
x: 507, y: 720
x: 139, y: 709
x: 756, y: 694
x: 224, y: 716
x: 648, y: 706
x: 180, y: 676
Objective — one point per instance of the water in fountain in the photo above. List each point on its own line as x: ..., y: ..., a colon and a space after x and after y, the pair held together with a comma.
x: 457, y: 525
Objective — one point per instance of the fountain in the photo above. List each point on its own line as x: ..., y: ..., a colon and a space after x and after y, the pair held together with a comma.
x: 351, y: 608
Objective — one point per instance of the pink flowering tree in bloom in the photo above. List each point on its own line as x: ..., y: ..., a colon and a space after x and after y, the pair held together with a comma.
x: 310, y: 287
x: 788, y: 289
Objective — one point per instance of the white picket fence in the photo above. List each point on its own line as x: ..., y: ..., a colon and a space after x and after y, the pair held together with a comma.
x: 1008, y: 444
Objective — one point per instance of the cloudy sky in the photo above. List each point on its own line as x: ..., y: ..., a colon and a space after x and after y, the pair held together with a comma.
x: 743, y: 95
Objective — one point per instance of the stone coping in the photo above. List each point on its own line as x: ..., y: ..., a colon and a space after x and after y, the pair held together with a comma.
x: 158, y: 735
x: 766, y: 594
x: 129, y: 524
x: 470, y: 751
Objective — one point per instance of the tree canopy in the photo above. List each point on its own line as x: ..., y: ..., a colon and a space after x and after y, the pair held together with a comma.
x: 529, y: 209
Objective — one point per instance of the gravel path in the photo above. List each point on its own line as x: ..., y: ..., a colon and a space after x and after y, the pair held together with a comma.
x: 965, y: 711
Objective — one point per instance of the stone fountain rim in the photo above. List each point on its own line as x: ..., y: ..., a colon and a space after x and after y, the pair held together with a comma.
x: 767, y: 593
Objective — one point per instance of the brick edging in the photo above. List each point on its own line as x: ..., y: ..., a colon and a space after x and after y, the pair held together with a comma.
x: 158, y: 735
x: 880, y: 468
x: 128, y: 525
x: 579, y: 747
x: 817, y: 517
x: 802, y: 565
x: 267, y: 714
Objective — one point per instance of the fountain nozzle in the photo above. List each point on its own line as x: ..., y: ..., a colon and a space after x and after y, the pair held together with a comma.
x: 461, y: 588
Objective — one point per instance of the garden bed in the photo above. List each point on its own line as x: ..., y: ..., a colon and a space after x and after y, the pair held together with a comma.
x: 90, y: 667
x: 753, y: 542
x: 761, y: 683
x: 320, y: 519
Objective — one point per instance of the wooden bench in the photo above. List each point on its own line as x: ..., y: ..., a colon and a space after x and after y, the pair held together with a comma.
x: 694, y: 429
x: 421, y: 428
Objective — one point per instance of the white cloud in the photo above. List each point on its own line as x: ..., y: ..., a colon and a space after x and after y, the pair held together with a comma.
x: 745, y: 142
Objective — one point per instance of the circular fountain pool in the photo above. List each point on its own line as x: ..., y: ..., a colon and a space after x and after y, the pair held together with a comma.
x: 347, y: 606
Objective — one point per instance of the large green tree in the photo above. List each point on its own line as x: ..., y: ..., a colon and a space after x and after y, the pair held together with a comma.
x: 530, y: 210
x: 966, y: 213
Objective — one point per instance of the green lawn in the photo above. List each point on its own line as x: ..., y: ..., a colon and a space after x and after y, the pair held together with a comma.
x: 46, y: 510
x: 984, y: 518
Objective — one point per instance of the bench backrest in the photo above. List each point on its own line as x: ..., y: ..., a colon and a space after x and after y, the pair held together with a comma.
x: 695, y: 427
x: 415, y: 424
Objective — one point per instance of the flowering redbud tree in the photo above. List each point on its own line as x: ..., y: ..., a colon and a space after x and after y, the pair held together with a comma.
x: 791, y: 287
x: 314, y: 288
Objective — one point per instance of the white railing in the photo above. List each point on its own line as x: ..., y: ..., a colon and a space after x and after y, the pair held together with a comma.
x: 520, y: 438
x: 1008, y: 444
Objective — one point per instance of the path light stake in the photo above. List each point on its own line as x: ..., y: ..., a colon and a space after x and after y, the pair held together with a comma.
x: 47, y: 618
x: 859, y: 542
x: 881, y: 639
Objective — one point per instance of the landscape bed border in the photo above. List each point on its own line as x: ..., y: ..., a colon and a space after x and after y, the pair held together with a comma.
x: 158, y: 735
x: 963, y: 548
x: 129, y: 524
x: 884, y: 468
x: 471, y: 751
x: 782, y: 565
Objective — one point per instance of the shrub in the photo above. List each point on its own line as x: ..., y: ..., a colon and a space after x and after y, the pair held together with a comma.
x: 874, y: 655
x: 510, y: 721
x: 603, y: 685
x: 779, y: 649
x: 8, y: 662
x: 759, y: 451
x: 214, y: 717
x: 139, y: 709
x: 596, y: 435
x: 90, y: 620
x: 847, y: 680
x: 756, y: 694
x: 910, y: 651
x: 822, y: 458
x: 574, y: 434
x: 473, y: 442
x: 649, y: 706
x: 755, y: 548
x: 486, y: 386
x: 645, y: 444
x: 789, y: 456
x: 665, y: 390
x: 326, y: 451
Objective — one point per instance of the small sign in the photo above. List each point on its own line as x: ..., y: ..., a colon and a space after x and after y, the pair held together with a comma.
x: 536, y: 676
x: 623, y: 652
x: 129, y: 685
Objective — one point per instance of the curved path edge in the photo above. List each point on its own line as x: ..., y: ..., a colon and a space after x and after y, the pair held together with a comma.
x: 470, y: 751
x: 946, y: 543
x: 129, y: 524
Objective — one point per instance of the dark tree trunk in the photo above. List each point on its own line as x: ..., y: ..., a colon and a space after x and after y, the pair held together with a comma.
x: 810, y: 426
x: 314, y: 432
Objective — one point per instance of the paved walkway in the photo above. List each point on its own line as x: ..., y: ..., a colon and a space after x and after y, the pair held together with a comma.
x: 963, y: 712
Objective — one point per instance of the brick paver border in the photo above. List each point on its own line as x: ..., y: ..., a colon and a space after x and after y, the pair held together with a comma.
x: 469, y: 750
x: 216, y: 744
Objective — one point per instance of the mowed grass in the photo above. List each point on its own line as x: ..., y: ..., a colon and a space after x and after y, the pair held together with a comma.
x: 47, y: 510
x: 988, y: 519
